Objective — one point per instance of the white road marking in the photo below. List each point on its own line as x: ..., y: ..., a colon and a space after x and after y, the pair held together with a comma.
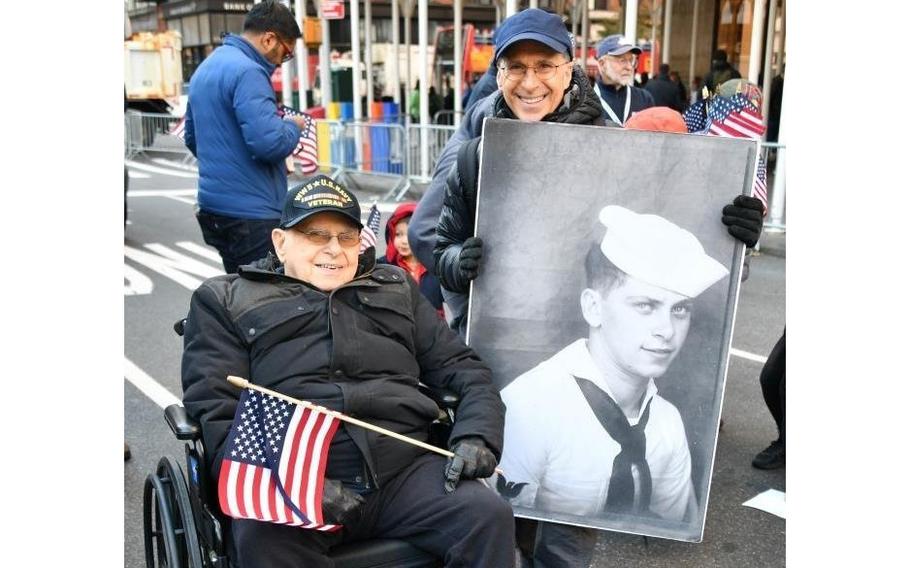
x: 157, y: 170
x: 149, y: 386
x: 747, y: 355
x: 202, y: 251
x: 172, y: 264
x: 173, y: 164
x: 135, y: 283
x: 163, y: 193
x: 182, y: 199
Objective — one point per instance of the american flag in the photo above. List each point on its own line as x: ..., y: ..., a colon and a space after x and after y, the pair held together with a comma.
x: 307, y: 151
x: 695, y: 117
x: 370, y: 231
x: 759, y: 187
x: 734, y: 117
x: 274, y: 462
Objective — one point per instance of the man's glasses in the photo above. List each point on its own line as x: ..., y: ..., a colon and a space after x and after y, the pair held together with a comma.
x: 629, y: 60
x: 543, y: 70
x: 348, y: 239
x: 288, y: 51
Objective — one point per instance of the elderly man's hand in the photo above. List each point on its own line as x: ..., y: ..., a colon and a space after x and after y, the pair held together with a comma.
x: 472, y: 459
x: 340, y: 505
x: 743, y: 219
x: 469, y: 258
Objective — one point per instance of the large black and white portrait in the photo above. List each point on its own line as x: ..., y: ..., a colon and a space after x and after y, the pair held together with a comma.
x: 605, y: 306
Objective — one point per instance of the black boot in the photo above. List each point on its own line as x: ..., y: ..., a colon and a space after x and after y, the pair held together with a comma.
x: 772, y: 457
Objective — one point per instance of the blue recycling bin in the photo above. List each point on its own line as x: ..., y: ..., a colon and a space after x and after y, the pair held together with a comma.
x: 394, y: 163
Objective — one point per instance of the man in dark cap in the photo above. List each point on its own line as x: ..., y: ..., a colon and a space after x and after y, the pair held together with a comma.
x: 620, y: 98
x: 320, y: 321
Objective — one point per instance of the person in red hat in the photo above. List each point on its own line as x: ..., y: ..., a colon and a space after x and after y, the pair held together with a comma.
x: 398, y: 253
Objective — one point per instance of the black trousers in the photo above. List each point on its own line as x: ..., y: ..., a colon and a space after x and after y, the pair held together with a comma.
x: 238, y: 241
x: 774, y: 385
x: 472, y: 527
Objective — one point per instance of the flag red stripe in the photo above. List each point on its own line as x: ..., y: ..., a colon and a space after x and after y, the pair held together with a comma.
x: 257, y: 482
x: 315, y: 422
x: 323, y: 460
x: 292, y: 443
x: 223, y: 488
x: 238, y: 491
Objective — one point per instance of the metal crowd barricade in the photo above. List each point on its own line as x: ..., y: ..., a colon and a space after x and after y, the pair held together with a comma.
x: 438, y: 135
x: 774, y: 155
x: 149, y: 132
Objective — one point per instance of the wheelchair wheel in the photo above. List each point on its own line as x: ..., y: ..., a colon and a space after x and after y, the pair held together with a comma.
x: 168, y: 525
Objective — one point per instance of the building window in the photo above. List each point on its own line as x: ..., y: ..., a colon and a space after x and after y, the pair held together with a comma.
x: 734, y: 32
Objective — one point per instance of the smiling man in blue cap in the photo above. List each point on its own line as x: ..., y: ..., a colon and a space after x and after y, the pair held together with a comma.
x: 619, y: 97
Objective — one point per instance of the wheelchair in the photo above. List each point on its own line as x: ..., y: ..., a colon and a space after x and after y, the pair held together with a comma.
x: 183, y: 527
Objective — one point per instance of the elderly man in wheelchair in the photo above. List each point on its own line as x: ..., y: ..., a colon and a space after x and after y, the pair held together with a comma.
x: 323, y: 323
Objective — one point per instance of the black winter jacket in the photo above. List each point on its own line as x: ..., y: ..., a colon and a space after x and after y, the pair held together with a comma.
x: 616, y: 98
x: 360, y: 349
x: 456, y: 220
x: 666, y: 93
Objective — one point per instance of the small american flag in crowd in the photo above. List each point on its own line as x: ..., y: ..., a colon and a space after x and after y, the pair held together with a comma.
x: 370, y: 231
x: 307, y: 151
x: 735, y: 117
x: 760, y: 188
x: 695, y: 117
x: 273, y: 467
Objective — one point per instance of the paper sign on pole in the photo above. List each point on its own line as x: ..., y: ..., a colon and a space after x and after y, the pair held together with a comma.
x: 332, y: 9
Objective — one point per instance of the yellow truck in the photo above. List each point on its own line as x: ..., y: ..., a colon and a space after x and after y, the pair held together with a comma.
x: 153, y: 74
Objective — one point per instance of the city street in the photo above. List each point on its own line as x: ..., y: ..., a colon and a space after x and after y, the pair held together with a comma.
x: 165, y: 259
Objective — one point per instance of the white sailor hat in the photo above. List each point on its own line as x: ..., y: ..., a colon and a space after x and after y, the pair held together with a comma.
x: 656, y: 251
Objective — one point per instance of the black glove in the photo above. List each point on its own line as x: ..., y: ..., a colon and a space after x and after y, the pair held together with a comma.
x: 340, y: 505
x: 743, y: 219
x: 469, y: 258
x: 472, y: 459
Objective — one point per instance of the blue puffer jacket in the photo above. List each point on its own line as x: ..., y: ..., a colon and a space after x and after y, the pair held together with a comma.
x: 233, y: 129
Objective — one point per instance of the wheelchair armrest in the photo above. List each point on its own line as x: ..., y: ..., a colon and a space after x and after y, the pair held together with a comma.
x: 181, y: 424
x: 445, y: 398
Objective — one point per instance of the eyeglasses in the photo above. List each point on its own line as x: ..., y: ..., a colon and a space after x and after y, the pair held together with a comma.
x: 543, y: 70
x: 348, y: 239
x: 288, y: 51
x: 630, y: 60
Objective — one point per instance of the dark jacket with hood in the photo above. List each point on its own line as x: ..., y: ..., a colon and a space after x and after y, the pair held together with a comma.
x: 360, y: 349
x: 456, y: 220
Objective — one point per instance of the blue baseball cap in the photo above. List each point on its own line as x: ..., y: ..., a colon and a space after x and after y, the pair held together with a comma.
x: 537, y: 25
x: 616, y: 44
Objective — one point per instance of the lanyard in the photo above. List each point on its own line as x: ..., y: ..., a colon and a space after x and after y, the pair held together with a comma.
x: 625, y: 114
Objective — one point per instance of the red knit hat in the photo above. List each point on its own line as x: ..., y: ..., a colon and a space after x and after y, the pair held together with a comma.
x: 657, y: 119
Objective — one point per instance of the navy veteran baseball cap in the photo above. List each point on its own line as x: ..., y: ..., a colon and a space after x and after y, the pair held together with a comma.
x: 316, y: 195
x: 616, y: 44
x: 537, y: 25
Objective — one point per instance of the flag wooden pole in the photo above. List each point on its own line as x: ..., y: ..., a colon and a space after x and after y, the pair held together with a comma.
x: 245, y: 384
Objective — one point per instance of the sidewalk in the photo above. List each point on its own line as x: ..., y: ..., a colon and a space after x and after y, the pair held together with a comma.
x: 773, y: 243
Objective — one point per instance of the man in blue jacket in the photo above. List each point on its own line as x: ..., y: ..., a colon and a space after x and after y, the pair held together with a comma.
x: 234, y: 130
